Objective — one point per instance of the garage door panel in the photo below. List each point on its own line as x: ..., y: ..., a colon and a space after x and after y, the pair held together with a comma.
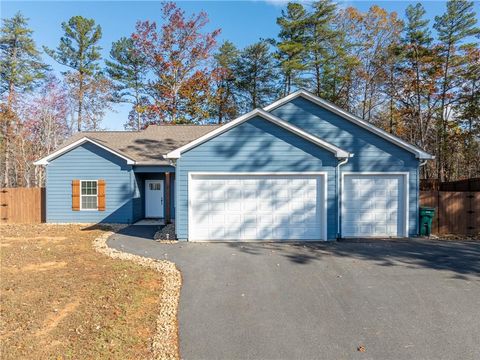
x: 373, y: 205
x: 251, y: 207
x: 266, y: 206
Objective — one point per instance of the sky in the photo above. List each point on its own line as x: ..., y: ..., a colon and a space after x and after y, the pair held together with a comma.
x: 242, y: 22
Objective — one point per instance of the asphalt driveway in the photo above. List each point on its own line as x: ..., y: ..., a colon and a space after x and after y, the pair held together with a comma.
x: 400, y: 300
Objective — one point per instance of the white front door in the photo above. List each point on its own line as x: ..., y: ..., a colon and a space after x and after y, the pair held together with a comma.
x: 257, y: 207
x: 154, y: 198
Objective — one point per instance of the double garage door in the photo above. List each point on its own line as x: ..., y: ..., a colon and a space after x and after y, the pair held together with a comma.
x: 257, y: 207
x: 293, y: 206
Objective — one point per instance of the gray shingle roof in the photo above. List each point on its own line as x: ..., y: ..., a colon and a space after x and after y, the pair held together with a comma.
x: 148, y: 146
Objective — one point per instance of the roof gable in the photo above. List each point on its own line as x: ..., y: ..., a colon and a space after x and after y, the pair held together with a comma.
x: 73, y: 145
x: 338, y: 152
x: 420, y: 154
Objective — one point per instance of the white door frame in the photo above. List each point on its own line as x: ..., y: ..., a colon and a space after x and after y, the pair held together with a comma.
x: 162, y: 209
x: 323, y: 235
x: 406, y: 193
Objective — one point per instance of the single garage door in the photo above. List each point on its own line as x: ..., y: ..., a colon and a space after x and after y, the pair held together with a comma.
x: 374, y: 205
x: 256, y: 207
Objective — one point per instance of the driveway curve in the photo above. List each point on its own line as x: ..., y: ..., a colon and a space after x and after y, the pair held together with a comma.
x: 399, y: 300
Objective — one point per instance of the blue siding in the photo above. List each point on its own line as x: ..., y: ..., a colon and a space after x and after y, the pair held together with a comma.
x: 138, y: 202
x: 89, y: 162
x: 372, y: 152
x: 254, y: 146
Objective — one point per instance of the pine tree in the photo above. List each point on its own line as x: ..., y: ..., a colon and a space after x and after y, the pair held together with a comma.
x: 79, y: 50
x: 291, y: 51
x: 320, y: 35
x: 224, y: 97
x: 127, y: 69
x: 418, y: 73
x: 256, y: 76
x: 21, y: 70
x: 455, y: 26
x: 468, y: 108
x: 21, y: 66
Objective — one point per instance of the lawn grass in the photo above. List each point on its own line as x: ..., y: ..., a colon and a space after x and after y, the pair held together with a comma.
x: 61, y: 299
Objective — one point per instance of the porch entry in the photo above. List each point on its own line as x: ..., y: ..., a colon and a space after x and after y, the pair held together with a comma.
x: 154, y: 192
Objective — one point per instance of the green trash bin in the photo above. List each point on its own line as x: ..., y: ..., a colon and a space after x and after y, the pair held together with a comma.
x: 426, y: 218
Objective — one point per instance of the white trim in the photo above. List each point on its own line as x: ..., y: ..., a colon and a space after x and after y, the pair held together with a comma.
x: 339, y: 153
x: 324, y: 174
x: 81, y: 207
x: 420, y: 154
x: 163, y: 196
x: 46, y: 159
x: 338, y: 189
x: 406, y: 208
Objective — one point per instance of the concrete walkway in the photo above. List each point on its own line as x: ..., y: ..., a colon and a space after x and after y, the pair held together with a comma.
x: 401, y: 300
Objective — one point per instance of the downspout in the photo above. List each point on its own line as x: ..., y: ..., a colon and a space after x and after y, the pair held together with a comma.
x: 339, y: 195
x: 422, y: 163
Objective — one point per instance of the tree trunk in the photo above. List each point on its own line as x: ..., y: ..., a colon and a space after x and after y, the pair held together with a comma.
x: 318, y: 79
x: 80, y: 103
x: 8, y: 133
x: 220, y: 108
x: 443, y: 122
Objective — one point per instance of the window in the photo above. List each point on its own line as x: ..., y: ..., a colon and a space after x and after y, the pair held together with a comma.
x: 155, y: 186
x: 88, y: 195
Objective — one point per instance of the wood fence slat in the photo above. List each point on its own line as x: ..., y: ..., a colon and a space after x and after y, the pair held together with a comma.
x: 456, y: 212
x: 22, y: 205
x: 452, y: 213
x: 475, y: 214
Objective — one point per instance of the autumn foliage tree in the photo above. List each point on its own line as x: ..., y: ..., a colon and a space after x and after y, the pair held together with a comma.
x: 177, y: 54
x: 45, y: 127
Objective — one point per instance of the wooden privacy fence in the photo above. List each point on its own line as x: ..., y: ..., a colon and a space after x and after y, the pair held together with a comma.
x: 22, y: 205
x: 456, y: 212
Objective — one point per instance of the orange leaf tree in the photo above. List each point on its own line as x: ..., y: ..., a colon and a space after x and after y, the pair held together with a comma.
x: 178, y: 55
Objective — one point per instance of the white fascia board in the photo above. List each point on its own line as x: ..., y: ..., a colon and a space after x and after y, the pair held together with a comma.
x: 340, y: 153
x: 46, y: 159
x: 420, y: 154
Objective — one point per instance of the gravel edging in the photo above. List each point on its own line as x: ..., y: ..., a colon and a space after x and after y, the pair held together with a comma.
x: 165, y: 341
x: 166, y: 234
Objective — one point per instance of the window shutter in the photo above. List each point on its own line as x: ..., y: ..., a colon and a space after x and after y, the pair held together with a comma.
x: 76, y: 195
x: 101, y: 195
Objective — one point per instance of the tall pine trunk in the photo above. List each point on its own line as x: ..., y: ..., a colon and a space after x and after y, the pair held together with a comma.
x: 80, y: 103
x: 442, y: 128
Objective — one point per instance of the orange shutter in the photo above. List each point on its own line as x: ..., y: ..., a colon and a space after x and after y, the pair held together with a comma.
x: 101, y: 195
x: 76, y: 195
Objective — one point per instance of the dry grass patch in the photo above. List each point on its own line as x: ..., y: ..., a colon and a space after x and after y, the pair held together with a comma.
x: 62, y: 299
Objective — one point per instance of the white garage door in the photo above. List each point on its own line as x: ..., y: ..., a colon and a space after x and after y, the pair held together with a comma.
x: 373, y: 205
x: 256, y: 207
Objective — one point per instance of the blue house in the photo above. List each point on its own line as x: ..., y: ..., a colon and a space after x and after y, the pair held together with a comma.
x: 300, y: 169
